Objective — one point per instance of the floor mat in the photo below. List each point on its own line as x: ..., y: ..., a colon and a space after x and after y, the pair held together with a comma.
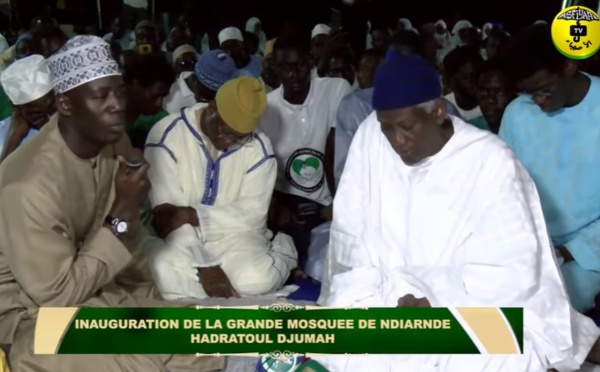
x: 308, y: 290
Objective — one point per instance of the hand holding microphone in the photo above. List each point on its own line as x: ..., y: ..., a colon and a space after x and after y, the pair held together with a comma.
x: 131, y: 184
x: 134, y: 160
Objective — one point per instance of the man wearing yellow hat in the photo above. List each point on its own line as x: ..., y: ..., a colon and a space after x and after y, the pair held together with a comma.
x: 212, y: 176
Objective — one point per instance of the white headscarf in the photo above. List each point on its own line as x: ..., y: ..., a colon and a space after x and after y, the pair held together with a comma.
x: 320, y: 29
x: 443, y: 39
x: 486, y: 29
x: 183, y: 50
x: 460, y: 25
x: 369, y: 37
x: 262, y: 37
x: 406, y: 22
x: 251, y: 24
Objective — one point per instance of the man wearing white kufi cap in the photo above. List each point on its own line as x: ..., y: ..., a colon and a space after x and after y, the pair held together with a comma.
x: 319, y: 30
x: 254, y: 26
x: 69, y: 221
x: 318, y: 41
x: 28, y: 86
x: 232, y: 41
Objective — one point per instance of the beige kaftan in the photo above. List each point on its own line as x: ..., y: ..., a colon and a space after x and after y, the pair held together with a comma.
x: 55, y: 252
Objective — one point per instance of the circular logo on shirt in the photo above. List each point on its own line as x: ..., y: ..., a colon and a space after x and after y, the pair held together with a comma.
x: 576, y: 32
x: 304, y: 170
x: 279, y: 364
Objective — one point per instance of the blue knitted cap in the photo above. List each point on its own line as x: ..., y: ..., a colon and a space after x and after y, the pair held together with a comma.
x: 214, y: 69
x: 403, y: 81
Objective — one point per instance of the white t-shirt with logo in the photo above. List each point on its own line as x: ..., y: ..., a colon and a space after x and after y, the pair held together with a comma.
x: 299, y: 137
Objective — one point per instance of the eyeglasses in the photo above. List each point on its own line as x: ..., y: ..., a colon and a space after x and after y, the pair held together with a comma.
x: 547, y: 91
x: 213, y: 118
x: 229, y: 137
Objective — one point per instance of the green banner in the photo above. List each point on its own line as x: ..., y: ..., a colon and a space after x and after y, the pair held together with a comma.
x: 284, y: 327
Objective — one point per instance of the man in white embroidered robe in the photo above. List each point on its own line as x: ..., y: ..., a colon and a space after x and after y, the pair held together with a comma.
x: 434, y: 212
x: 212, y: 178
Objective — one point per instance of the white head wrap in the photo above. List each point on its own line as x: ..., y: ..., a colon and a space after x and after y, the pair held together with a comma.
x: 251, y: 24
x: 26, y: 80
x: 460, y: 25
x: 183, y: 50
x: 486, y: 29
x: 406, y: 22
x: 82, y: 59
x: 230, y: 33
x: 320, y: 29
x: 443, y: 39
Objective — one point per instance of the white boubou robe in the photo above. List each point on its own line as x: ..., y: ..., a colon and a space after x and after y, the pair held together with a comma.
x: 231, y: 195
x: 463, y: 229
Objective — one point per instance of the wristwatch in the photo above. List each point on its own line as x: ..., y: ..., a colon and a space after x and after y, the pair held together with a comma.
x: 117, y: 225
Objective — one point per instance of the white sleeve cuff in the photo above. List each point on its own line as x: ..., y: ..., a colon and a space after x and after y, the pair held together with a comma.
x: 201, y: 258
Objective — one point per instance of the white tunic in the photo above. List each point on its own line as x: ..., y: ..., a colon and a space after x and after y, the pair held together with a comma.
x: 231, y: 196
x: 180, y: 95
x: 299, y: 136
x: 464, y: 229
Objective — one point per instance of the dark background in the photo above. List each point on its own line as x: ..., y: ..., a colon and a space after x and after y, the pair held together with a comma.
x: 216, y: 14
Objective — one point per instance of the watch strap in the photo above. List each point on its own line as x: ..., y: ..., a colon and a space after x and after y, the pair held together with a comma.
x: 113, y: 222
x: 110, y: 220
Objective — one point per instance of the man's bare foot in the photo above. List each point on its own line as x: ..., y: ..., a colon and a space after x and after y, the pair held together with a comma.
x: 594, y: 355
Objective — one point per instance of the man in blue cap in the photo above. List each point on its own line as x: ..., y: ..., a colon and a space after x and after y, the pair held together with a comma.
x: 212, y: 70
x: 433, y: 212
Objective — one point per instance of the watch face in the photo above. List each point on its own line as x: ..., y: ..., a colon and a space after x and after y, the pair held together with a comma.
x: 121, y: 227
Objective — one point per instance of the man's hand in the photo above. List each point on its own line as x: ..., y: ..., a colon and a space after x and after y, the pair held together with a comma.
x: 327, y: 212
x: 167, y: 218
x: 215, y: 282
x: 131, y: 191
x: 411, y: 301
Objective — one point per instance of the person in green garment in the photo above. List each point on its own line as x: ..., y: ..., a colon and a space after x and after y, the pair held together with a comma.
x: 5, y: 106
x: 495, y: 90
x: 148, y: 79
x: 21, y: 49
